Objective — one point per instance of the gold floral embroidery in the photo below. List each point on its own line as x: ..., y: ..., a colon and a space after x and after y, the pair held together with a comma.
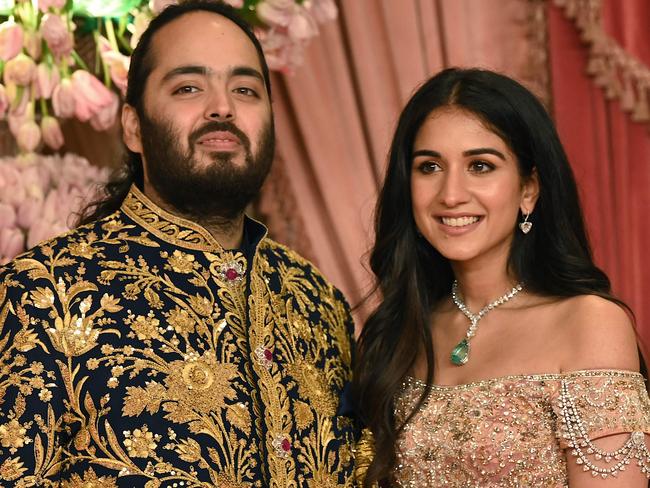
x: 142, y: 443
x: 12, y: 435
x: 12, y: 469
x: 89, y: 480
x: 145, y: 332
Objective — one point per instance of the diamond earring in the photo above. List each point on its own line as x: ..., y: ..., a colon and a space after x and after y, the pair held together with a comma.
x: 525, y: 226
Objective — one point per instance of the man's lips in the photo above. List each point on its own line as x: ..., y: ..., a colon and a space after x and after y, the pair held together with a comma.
x: 219, y: 140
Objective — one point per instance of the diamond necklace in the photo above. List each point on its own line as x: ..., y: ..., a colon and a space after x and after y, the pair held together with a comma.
x: 460, y: 353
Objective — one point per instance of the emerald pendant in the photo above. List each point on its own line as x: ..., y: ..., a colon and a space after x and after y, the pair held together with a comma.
x: 460, y: 353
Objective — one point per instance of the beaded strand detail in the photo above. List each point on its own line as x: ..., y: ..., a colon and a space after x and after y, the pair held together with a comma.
x: 582, y: 447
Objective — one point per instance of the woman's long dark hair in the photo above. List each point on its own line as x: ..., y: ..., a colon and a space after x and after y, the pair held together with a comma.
x: 142, y: 63
x: 554, y: 259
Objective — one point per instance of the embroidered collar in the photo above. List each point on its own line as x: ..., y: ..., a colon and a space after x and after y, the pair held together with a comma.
x: 177, y: 230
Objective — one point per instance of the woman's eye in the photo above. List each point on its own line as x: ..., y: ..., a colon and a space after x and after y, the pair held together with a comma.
x: 481, y: 167
x: 428, y: 167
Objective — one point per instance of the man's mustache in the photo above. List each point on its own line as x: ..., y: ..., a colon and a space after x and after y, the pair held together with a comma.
x: 215, y: 126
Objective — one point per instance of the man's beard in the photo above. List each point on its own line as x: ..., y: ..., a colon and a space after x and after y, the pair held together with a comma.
x: 220, y: 190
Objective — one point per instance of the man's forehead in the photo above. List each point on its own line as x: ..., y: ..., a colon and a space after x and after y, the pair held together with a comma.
x: 203, y: 39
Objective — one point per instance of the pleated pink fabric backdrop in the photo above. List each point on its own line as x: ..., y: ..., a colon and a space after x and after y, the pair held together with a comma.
x: 608, y: 150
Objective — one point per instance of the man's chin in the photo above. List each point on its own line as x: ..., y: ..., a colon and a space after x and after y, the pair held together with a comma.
x: 205, y: 158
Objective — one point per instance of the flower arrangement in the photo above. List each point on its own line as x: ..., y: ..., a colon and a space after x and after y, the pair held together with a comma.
x: 45, y: 80
x: 40, y: 197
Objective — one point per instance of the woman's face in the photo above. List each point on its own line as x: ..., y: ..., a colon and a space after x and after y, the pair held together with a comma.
x: 466, y: 189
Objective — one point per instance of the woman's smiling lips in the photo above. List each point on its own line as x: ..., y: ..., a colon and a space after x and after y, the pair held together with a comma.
x: 457, y: 224
x: 219, y: 141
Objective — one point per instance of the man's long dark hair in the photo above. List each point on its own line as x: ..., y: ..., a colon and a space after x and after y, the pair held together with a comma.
x: 554, y: 259
x: 142, y: 63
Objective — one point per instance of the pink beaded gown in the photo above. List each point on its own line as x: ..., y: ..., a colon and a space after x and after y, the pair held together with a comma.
x: 518, y: 431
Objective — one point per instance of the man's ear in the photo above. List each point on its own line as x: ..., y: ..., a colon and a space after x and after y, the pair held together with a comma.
x: 530, y: 193
x: 131, y: 129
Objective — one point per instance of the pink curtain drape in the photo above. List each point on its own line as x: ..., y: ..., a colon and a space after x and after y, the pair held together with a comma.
x: 608, y: 150
x: 335, y: 115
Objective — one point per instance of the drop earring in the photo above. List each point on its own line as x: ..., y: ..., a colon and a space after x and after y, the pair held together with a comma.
x: 525, y: 226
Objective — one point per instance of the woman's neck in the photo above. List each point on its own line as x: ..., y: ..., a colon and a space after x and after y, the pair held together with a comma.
x: 479, y: 286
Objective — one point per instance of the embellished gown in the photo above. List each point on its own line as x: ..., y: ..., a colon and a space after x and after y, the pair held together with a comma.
x: 136, y: 352
x: 520, y: 431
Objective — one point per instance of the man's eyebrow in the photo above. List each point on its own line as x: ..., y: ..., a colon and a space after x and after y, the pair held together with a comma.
x: 187, y: 70
x: 246, y: 71
x: 484, y: 150
x: 205, y: 71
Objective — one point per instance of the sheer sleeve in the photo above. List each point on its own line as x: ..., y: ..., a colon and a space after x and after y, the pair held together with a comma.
x: 593, y: 404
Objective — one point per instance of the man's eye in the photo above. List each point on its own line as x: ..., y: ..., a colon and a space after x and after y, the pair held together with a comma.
x: 186, y: 89
x: 481, y: 167
x: 428, y: 167
x: 245, y: 91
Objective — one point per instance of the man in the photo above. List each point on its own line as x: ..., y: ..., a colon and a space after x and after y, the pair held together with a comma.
x: 170, y: 343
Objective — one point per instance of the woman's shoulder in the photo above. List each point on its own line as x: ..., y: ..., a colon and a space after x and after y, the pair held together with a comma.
x: 598, y: 333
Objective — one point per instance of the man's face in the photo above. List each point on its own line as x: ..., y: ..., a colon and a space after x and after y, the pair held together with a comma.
x: 206, y: 135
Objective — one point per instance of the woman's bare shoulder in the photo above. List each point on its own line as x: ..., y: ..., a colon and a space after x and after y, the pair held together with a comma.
x: 598, y: 333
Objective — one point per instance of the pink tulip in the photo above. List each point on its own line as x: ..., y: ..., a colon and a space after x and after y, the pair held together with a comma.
x: 302, y: 25
x: 118, y: 64
x: 46, y: 5
x: 235, y: 3
x: 50, y: 207
x: 323, y: 10
x: 40, y: 231
x: 157, y: 6
x: 4, y: 101
x: 63, y: 99
x: 12, y: 243
x: 11, y: 40
x: 90, y: 95
x: 52, y: 135
x: 275, y: 12
x: 34, y: 181
x: 20, y: 70
x: 13, y: 194
x: 140, y: 23
x: 28, y: 212
x: 7, y: 216
x: 47, y: 77
x: 16, y: 121
x: 105, y: 117
x: 18, y: 98
x: 33, y: 44
x: 9, y: 176
x: 55, y: 32
x: 29, y: 136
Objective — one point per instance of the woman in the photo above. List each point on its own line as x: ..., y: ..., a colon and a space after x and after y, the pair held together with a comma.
x: 498, y: 356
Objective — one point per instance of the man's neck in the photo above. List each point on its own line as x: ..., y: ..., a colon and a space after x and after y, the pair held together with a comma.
x: 227, y: 232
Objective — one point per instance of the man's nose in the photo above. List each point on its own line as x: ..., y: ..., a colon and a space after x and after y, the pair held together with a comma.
x: 220, y: 107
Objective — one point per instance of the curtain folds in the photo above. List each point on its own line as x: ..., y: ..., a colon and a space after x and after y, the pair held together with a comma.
x: 608, y: 149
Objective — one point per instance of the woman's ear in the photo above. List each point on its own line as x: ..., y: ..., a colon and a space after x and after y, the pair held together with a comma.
x: 530, y: 193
